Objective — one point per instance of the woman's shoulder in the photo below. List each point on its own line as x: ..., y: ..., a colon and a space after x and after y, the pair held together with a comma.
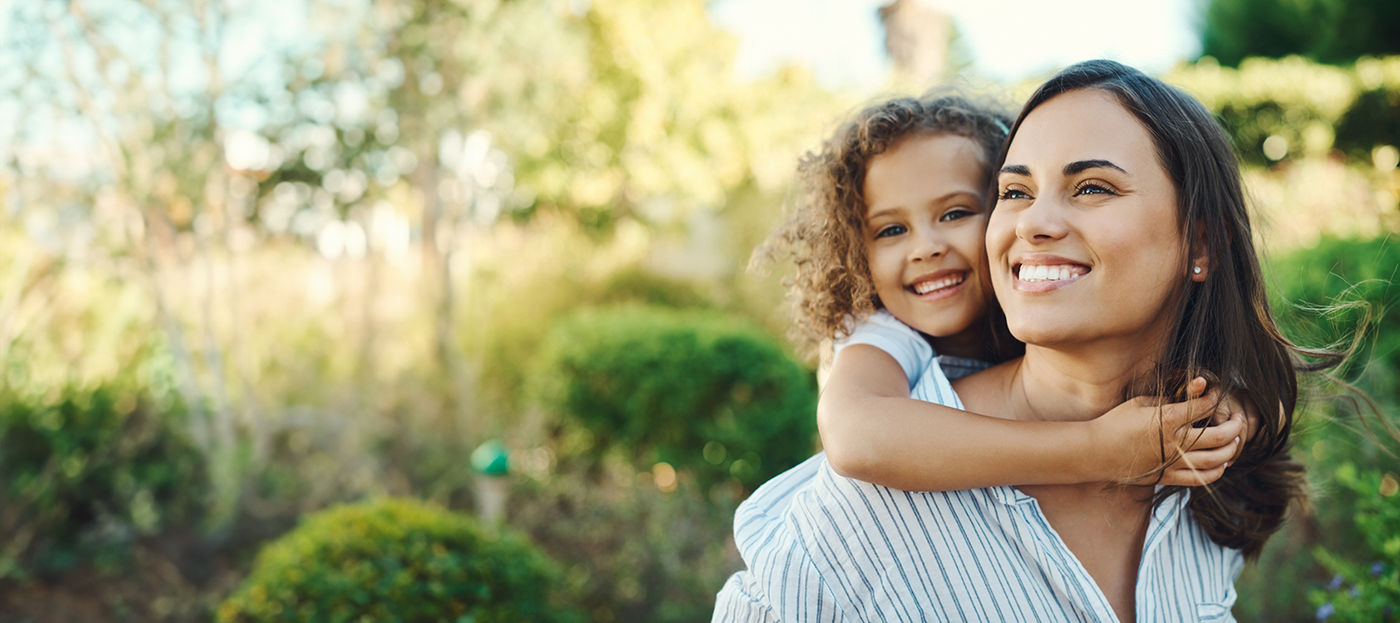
x: 986, y: 391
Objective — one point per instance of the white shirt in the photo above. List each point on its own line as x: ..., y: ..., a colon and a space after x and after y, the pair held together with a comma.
x: 820, y: 547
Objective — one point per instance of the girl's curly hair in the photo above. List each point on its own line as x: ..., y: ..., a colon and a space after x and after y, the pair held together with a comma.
x: 825, y: 237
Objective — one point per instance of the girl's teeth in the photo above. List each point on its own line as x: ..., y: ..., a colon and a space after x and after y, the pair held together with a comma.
x: 930, y: 286
x: 1049, y: 273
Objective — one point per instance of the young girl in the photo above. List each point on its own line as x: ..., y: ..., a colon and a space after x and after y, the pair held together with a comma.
x: 888, y: 243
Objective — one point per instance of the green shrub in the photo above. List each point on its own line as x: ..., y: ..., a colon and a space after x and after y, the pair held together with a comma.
x: 1328, y: 437
x: 1340, y: 271
x: 396, y: 560
x: 85, y: 471
x: 634, y: 285
x: 631, y: 551
x: 1312, y: 107
x: 1367, y: 589
x: 693, y: 389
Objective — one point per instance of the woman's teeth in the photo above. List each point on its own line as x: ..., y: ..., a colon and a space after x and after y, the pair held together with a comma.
x: 1049, y: 273
x: 938, y: 284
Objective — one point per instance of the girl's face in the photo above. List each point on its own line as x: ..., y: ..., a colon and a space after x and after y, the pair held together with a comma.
x: 1084, y: 244
x: 924, y: 225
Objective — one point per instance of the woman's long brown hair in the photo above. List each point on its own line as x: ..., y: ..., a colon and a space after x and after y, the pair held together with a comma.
x: 1224, y: 328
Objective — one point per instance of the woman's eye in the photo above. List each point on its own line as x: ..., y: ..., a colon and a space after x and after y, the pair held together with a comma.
x: 1012, y: 193
x: 956, y: 214
x: 1090, y: 188
x: 890, y: 230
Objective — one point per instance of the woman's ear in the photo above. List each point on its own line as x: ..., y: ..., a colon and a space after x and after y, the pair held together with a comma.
x: 1200, y: 255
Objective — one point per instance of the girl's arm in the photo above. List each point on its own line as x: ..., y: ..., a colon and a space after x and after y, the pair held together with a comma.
x: 873, y: 431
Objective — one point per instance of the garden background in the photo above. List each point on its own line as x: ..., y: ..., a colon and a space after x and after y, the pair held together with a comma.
x: 438, y: 239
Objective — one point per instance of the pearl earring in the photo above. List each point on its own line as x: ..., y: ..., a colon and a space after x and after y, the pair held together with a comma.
x: 1198, y: 270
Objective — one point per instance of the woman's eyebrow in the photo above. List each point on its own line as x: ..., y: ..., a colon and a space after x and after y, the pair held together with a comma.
x: 1080, y: 166
x: 1072, y: 168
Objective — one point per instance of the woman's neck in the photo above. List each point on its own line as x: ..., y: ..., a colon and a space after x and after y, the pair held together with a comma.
x: 1064, y: 385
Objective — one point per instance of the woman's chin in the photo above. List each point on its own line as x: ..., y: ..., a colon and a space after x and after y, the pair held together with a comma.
x: 1039, y: 334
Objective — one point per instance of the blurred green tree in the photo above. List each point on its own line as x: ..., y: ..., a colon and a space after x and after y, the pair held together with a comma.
x: 1329, y: 31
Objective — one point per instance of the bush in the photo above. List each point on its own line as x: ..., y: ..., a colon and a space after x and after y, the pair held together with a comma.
x: 1328, y: 438
x: 396, y: 560
x: 632, y: 552
x: 691, y: 389
x: 1336, y: 272
x: 1312, y: 107
x: 84, y: 472
x: 1367, y: 589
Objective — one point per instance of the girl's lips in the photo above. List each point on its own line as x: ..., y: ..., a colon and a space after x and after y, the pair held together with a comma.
x: 938, y: 286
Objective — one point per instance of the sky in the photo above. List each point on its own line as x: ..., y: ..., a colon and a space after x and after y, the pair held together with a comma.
x: 1007, y: 40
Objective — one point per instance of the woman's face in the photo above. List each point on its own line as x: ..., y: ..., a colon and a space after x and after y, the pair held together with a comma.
x: 924, y: 226
x: 1084, y: 244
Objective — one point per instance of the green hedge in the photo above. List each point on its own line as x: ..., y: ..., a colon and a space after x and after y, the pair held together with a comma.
x: 1327, y: 549
x: 1313, y: 107
x: 1355, y: 277
x: 85, y: 471
x: 400, y: 561
x: 632, y: 552
x: 1365, y: 589
x: 693, y: 389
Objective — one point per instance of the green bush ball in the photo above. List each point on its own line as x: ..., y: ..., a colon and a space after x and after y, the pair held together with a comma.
x: 663, y: 385
x: 397, y: 560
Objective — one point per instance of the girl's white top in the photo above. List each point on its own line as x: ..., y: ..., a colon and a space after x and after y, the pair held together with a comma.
x: 820, y: 547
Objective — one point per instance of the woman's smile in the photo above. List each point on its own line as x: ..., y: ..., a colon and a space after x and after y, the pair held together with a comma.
x: 1045, y: 273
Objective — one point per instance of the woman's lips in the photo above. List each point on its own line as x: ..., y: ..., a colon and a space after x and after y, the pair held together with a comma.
x: 1046, y: 277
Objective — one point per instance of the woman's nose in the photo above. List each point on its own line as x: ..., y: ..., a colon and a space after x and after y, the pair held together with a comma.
x: 1042, y: 221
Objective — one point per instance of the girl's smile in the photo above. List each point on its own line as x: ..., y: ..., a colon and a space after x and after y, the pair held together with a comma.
x: 941, y: 284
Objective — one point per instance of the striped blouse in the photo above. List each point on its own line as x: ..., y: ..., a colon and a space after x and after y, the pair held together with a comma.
x: 820, y: 547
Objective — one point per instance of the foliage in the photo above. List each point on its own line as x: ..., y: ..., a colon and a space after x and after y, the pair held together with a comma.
x: 1327, y: 292
x: 529, y: 276
x: 631, y: 551
x: 693, y: 390
x: 1367, y: 589
x: 676, y: 123
x: 1330, y: 437
x: 1330, y: 31
x: 85, y: 471
x: 1312, y: 108
x: 397, y: 560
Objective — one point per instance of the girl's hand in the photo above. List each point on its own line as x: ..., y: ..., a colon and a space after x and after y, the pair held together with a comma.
x: 1133, y: 447
x: 1251, y: 419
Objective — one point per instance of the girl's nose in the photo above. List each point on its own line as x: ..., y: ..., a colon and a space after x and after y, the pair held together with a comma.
x: 927, y: 245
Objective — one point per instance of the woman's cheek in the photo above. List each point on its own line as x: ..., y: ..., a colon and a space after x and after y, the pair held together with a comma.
x: 1001, y: 233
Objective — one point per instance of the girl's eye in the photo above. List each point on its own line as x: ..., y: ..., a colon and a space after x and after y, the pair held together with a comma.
x: 890, y: 230
x: 956, y: 214
x: 1092, y: 188
x: 1012, y: 193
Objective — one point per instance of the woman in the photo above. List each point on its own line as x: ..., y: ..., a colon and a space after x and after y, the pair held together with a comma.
x: 1128, y: 188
